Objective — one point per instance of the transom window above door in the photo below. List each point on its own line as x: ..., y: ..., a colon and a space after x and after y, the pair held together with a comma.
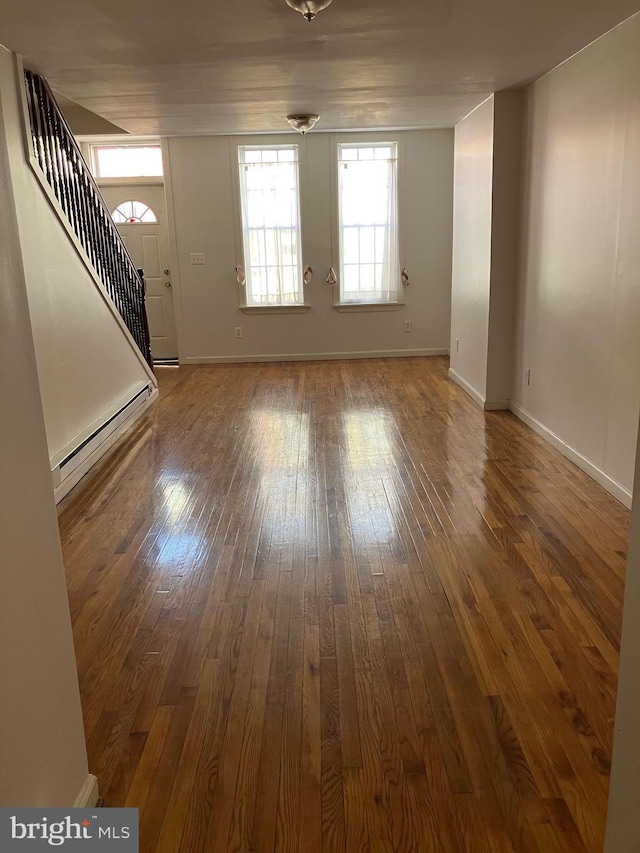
x: 126, y: 161
x: 132, y: 213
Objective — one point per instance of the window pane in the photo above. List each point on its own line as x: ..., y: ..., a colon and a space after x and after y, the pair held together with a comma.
x: 367, y: 278
x: 132, y: 212
x: 377, y: 151
x: 271, y: 225
x: 128, y: 161
x: 367, y: 244
x: 271, y: 240
x: 289, y: 284
x: 351, y: 278
x: 367, y: 212
x: 258, y: 278
x: 380, y: 244
x: 351, y: 246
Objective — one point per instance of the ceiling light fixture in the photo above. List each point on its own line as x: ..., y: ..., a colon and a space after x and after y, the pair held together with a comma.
x: 308, y: 8
x: 302, y: 123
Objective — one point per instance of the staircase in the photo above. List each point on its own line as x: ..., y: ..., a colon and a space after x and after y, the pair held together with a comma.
x: 60, y: 161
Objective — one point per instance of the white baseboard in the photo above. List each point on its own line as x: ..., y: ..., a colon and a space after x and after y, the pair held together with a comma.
x: 89, y: 794
x: 312, y: 356
x: 62, y: 488
x: 476, y: 396
x: 611, y: 485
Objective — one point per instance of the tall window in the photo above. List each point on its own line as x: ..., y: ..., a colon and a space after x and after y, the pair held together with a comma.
x: 368, y: 222
x: 269, y: 199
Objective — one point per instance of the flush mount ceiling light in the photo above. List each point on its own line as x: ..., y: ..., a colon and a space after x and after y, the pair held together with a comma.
x: 302, y: 123
x: 308, y: 8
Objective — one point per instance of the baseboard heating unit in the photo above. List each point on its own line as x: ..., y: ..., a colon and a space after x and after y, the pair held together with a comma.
x: 78, y: 461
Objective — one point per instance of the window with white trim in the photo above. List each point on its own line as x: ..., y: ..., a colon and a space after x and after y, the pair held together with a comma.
x: 271, y: 239
x: 127, y: 161
x: 368, y: 222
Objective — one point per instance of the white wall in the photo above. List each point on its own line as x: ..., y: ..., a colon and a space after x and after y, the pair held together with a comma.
x: 505, y: 227
x: 83, y: 122
x: 472, y: 222
x: 86, y: 365
x: 44, y: 759
x: 579, y: 302
x: 487, y: 197
x: 201, y: 185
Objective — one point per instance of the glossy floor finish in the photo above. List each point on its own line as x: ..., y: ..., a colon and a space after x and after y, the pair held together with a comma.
x: 334, y: 606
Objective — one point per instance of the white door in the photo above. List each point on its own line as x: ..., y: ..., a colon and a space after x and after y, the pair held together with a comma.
x: 143, y: 228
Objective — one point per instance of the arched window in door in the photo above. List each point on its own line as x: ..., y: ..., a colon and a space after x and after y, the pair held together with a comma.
x: 133, y: 213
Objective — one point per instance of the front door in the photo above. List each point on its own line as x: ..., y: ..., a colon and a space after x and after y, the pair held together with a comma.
x: 141, y: 221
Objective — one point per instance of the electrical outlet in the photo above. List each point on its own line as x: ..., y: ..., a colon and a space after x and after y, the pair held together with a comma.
x: 457, y: 344
x: 197, y: 258
x: 528, y: 376
x: 408, y: 326
x: 238, y: 331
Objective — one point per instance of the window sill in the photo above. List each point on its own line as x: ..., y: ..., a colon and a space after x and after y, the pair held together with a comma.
x: 130, y: 182
x: 348, y: 307
x: 275, y: 309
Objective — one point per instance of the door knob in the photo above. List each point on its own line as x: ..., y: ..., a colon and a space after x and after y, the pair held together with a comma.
x: 166, y: 272
x: 167, y: 284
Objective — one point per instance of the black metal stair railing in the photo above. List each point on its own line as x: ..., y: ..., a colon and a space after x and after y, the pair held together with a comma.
x: 63, y: 167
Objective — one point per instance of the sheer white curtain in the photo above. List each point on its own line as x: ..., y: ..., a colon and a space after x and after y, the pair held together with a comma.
x: 368, y: 223
x: 271, y: 225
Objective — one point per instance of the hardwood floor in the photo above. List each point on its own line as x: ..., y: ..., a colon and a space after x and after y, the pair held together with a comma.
x: 334, y: 606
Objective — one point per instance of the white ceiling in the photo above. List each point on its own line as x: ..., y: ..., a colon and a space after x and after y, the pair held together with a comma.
x: 208, y: 66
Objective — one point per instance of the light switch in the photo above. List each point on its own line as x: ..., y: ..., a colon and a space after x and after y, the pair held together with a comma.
x: 197, y: 258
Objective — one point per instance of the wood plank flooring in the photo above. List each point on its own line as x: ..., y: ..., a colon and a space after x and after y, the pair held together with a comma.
x: 335, y: 607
